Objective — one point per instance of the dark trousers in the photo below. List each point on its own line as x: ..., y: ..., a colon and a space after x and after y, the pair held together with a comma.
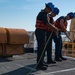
x: 49, y: 46
x: 58, y: 44
x: 40, y: 36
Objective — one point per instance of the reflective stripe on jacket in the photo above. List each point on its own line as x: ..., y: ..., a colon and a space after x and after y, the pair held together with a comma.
x: 41, y: 25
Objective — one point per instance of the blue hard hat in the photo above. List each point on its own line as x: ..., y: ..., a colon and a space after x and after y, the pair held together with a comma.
x: 71, y: 14
x: 56, y: 10
x: 50, y: 5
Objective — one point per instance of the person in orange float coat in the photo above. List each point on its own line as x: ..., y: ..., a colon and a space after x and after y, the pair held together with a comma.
x: 50, y: 33
x: 41, y: 27
x: 61, y: 24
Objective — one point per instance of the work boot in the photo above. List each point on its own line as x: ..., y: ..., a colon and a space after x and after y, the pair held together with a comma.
x: 41, y: 67
x: 51, y: 62
x: 45, y: 64
x: 58, y: 59
x: 63, y: 58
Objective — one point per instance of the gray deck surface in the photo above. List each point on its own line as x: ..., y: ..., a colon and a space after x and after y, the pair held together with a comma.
x: 24, y: 65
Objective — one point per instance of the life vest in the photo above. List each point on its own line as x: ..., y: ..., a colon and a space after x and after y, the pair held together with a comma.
x: 41, y: 25
x: 51, y: 21
x: 57, y: 24
x: 65, y: 24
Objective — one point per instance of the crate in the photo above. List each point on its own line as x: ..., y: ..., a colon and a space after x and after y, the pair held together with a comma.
x: 14, y: 49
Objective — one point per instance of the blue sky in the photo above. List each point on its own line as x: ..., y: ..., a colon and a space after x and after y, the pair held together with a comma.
x: 22, y: 13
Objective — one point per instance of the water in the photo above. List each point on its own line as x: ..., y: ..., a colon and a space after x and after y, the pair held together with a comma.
x: 64, y: 38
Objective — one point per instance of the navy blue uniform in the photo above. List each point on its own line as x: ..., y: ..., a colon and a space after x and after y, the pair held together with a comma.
x: 49, y: 45
x: 40, y: 36
x: 58, y: 40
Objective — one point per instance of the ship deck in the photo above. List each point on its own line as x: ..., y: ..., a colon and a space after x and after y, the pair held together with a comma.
x: 25, y: 65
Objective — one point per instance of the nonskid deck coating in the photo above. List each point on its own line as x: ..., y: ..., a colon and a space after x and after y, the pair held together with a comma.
x: 24, y: 65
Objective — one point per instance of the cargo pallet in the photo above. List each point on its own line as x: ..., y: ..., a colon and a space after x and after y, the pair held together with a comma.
x: 68, y: 49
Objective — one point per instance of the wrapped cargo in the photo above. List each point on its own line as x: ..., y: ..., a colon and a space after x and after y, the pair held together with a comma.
x: 3, y: 35
x: 12, y: 41
x: 17, y: 36
x: 1, y: 49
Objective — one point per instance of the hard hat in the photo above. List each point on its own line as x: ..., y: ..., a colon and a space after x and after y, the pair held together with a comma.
x: 71, y: 14
x: 50, y: 5
x: 56, y: 10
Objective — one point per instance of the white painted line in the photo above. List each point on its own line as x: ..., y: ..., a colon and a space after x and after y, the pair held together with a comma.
x: 61, y: 71
x: 43, y: 74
